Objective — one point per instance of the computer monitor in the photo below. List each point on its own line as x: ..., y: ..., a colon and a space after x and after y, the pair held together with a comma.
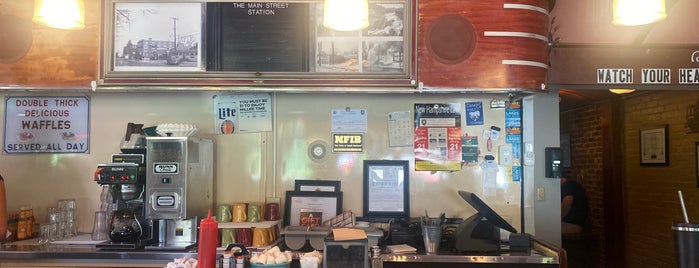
x: 480, y: 232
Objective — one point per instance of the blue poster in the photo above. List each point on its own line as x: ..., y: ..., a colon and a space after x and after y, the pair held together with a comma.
x: 516, y: 173
x: 474, y: 113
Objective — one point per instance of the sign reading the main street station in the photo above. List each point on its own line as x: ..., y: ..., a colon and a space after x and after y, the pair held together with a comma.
x: 46, y: 124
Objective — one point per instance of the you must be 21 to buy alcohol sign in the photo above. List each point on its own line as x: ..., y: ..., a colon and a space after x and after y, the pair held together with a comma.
x: 55, y: 124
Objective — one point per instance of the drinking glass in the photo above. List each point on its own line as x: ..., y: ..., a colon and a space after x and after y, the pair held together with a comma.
x: 99, y: 227
x: 44, y: 233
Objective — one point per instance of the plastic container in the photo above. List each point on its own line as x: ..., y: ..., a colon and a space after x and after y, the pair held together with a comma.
x: 208, y: 241
x: 279, y: 265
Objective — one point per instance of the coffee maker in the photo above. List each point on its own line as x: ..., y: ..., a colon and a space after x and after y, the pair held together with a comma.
x: 125, y: 176
x: 179, y: 188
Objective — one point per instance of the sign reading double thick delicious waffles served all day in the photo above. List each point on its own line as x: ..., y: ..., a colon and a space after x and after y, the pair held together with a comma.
x: 46, y: 124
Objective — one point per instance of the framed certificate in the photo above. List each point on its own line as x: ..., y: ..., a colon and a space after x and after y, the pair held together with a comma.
x: 386, y: 189
x: 311, y: 208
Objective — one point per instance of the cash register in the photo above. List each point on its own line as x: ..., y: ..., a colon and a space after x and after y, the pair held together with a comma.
x: 480, y: 232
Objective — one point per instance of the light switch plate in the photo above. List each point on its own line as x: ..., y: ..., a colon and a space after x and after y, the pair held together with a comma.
x: 505, y: 155
x: 540, y: 194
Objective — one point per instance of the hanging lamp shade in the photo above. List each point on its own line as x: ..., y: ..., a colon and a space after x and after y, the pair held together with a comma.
x: 346, y: 15
x: 621, y: 90
x: 638, y: 12
x: 61, y: 14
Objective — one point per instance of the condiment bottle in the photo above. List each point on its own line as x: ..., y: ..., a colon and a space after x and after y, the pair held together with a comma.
x: 23, y: 228
x: 208, y: 241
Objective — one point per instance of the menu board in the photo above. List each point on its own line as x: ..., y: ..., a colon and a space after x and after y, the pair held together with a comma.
x: 258, y: 36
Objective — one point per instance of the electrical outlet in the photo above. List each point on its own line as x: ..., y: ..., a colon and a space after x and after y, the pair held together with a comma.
x: 540, y: 194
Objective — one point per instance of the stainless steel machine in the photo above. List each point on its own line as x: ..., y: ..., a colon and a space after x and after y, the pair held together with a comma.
x: 179, y: 188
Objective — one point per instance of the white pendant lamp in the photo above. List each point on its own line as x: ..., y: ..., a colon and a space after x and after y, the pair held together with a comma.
x: 61, y: 14
x: 637, y: 12
x: 621, y: 90
x: 346, y: 15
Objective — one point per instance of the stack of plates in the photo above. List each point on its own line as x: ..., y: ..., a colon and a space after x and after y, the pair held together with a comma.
x: 176, y: 130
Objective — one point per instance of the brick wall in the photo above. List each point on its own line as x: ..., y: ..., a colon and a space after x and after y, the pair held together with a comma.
x: 650, y: 197
x: 584, y: 125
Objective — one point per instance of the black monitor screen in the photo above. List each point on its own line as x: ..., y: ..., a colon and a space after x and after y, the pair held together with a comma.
x: 485, y: 211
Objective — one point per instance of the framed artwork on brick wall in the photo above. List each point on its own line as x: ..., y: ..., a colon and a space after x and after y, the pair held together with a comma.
x: 653, y: 146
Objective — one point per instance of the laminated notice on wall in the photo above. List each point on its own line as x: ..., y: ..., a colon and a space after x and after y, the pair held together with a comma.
x: 47, y: 124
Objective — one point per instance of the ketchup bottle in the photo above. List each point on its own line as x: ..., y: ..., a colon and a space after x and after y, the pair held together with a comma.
x: 208, y: 240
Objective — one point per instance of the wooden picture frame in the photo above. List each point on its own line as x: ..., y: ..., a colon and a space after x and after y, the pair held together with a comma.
x: 143, y: 39
x: 317, y: 186
x: 386, y: 189
x: 382, y: 54
x: 329, y: 204
x: 653, y: 146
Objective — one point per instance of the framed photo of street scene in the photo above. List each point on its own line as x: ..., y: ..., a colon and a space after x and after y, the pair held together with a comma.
x: 152, y: 37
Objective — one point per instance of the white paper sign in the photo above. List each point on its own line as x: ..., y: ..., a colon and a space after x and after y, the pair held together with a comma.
x: 242, y: 113
x: 47, y: 124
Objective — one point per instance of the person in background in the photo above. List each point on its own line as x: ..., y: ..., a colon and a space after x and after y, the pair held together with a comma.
x: 574, y: 207
x: 4, y: 233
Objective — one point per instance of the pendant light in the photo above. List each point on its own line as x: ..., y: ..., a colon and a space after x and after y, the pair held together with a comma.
x: 621, y: 90
x: 61, y: 14
x: 637, y: 12
x: 346, y: 15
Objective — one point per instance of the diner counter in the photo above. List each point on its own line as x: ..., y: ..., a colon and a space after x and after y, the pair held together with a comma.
x: 30, y: 254
x: 541, y: 254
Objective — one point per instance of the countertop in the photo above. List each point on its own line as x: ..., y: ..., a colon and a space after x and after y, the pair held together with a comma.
x: 30, y: 254
x: 80, y: 253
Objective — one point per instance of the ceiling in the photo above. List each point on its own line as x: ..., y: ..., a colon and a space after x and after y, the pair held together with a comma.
x: 584, y: 24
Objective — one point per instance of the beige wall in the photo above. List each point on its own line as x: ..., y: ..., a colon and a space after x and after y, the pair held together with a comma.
x: 249, y: 167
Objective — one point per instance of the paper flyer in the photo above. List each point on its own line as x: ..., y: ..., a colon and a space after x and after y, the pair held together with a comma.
x: 437, y: 136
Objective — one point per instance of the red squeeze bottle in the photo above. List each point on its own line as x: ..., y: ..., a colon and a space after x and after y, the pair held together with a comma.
x: 208, y: 240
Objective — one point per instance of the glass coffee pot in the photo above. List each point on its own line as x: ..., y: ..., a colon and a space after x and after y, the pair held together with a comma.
x: 124, y: 227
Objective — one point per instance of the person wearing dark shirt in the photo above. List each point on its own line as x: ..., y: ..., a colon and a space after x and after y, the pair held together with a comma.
x: 574, y: 207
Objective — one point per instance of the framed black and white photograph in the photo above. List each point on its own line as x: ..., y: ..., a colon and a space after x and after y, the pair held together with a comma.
x: 154, y: 37
x: 386, y: 189
x: 311, y: 205
x: 317, y: 186
x: 380, y: 48
x: 654, y: 143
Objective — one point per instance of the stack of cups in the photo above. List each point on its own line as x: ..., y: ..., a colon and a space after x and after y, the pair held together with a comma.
x: 106, y: 199
x: 53, y: 219
x: 67, y: 225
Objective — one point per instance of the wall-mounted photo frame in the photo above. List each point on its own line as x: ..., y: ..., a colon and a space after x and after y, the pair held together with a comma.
x: 300, y: 206
x: 145, y: 38
x: 386, y: 189
x: 317, y: 186
x: 654, y: 143
x: 255, y: 43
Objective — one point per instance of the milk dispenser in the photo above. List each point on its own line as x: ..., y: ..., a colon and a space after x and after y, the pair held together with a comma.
x: 179, y: 188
